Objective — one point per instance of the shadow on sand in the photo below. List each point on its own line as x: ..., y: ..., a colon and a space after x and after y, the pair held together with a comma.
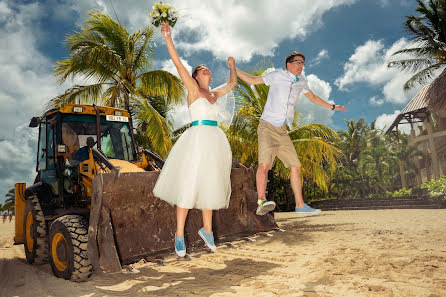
x: 197, y: 281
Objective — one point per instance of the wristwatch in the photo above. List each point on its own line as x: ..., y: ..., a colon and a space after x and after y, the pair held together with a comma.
x: 333, y: 107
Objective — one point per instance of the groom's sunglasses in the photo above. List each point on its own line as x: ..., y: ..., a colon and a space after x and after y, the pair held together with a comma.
x: 298, y: 62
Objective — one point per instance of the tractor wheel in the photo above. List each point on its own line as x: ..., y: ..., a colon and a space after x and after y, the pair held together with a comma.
x: 68, y: 248
x: 34, y: 229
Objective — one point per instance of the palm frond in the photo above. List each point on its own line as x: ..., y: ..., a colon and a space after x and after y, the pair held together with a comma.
x: 158, y: 131
x: 115, y: 35
x: 143, y: 49
x: 428, y: 33
x: 80, y: 95
x: 422, y: 77
x: 412, y: 64
x: 162, y: 83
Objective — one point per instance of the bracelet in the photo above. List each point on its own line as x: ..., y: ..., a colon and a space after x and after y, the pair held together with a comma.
x: 333, y: 107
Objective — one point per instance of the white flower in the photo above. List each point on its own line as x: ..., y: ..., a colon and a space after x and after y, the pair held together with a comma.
x: 157, y: 14
x: 164, y: 15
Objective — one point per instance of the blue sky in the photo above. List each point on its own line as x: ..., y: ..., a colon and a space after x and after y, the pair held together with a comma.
x: 348, y: 44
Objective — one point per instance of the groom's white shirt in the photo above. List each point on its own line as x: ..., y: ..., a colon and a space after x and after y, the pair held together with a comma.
x: 282, y: 96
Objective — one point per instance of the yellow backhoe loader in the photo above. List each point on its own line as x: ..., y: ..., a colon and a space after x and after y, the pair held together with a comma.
x: 91, y: 205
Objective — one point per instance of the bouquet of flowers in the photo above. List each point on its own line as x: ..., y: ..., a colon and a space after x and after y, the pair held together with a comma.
x: 163, y: 13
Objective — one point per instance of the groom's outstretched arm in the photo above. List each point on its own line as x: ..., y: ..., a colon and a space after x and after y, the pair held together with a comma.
x: 250, y: 79
x: 319, y: 101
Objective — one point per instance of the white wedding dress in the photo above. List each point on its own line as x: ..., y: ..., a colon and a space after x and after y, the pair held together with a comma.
x: 197, y: 171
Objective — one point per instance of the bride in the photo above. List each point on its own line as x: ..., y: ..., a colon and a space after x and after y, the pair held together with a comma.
x: 197, y: 171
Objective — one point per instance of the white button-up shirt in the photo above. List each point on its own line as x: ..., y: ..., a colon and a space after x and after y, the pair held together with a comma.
x: 282, y: 96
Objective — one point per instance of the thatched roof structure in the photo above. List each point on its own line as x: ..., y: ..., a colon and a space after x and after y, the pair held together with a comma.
x: 414, y: 112
x: 436, y: 95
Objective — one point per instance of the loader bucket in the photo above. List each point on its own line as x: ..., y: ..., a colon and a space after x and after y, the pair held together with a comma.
x: 127, y: 222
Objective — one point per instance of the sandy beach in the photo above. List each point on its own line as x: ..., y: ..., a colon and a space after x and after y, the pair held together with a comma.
x: 342, y: 253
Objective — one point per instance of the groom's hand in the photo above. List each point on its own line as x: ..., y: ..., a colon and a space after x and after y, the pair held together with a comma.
x: 231, y: 62
x: 165, y: 29
x: 340, y: 107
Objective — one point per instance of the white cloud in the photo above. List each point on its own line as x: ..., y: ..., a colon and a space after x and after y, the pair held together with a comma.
x: 310, y: 112
x: 369, y: 65
x: 374, y: 101
x: 17, y: 160
x: 384, y: 3
x: 323, y: 54
x: 27, y: 80
x: 222, y: 27
x: 228, y: 28
x: 170, y: 67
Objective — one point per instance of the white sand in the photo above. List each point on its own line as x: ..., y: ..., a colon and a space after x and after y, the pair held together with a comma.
x: 343, y: 253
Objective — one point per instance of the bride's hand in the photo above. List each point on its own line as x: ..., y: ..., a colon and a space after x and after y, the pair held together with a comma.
x: 231, y: 62
x: 165, y: 29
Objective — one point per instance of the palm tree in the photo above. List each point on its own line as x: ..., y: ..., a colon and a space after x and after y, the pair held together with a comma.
x: 376, y: 163
x: 428, y: 35
x: 313, y: 142
x: 116, y: 62
x: 405, y: 155
x: 358, y: 173
x: 9, y: 205
x: 353, y: 141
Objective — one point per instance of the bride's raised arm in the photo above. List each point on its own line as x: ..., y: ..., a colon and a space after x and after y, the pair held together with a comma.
x: 188, y: 81
x: 225, y: 88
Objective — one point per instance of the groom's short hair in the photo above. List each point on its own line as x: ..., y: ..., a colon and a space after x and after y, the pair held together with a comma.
x: 292, y: 55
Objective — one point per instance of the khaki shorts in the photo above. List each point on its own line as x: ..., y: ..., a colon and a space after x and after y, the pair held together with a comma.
x: 275, y: 141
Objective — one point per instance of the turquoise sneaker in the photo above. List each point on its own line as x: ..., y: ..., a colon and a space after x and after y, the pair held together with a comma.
x: 208, y: 239
x: 180, y: 247
x: 265, y: 206
x: 307, y: 210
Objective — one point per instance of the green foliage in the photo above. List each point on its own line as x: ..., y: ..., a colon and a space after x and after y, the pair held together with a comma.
x: 400, y: 193
x: 436, y: 187
x: 372, y: 161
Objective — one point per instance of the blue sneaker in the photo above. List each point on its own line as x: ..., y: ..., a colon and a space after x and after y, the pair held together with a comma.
x: 307, y: 210
x: 265, y: 206
x: 208, y: 239
x: 180, y: 247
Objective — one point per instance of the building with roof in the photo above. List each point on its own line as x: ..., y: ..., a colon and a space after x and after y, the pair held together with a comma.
x: 427, y: 132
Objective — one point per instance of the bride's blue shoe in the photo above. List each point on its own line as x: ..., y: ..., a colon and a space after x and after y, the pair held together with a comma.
x: 208, y: 239
x: 180, y: 247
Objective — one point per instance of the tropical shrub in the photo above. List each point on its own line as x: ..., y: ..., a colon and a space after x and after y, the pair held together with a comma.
x: 436, y: 187
x: 400, y: 193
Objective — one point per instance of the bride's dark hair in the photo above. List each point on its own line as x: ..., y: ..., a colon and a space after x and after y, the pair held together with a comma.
x: 196, y: 69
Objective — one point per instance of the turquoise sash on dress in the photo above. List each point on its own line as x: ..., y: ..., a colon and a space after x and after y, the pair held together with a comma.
x: 204, y: 123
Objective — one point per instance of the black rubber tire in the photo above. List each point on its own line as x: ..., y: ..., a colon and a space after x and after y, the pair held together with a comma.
x: 38, y: 254
x: 74, y: 229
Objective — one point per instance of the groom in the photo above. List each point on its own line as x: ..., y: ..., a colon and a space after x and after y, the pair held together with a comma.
x: 285, y: 88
